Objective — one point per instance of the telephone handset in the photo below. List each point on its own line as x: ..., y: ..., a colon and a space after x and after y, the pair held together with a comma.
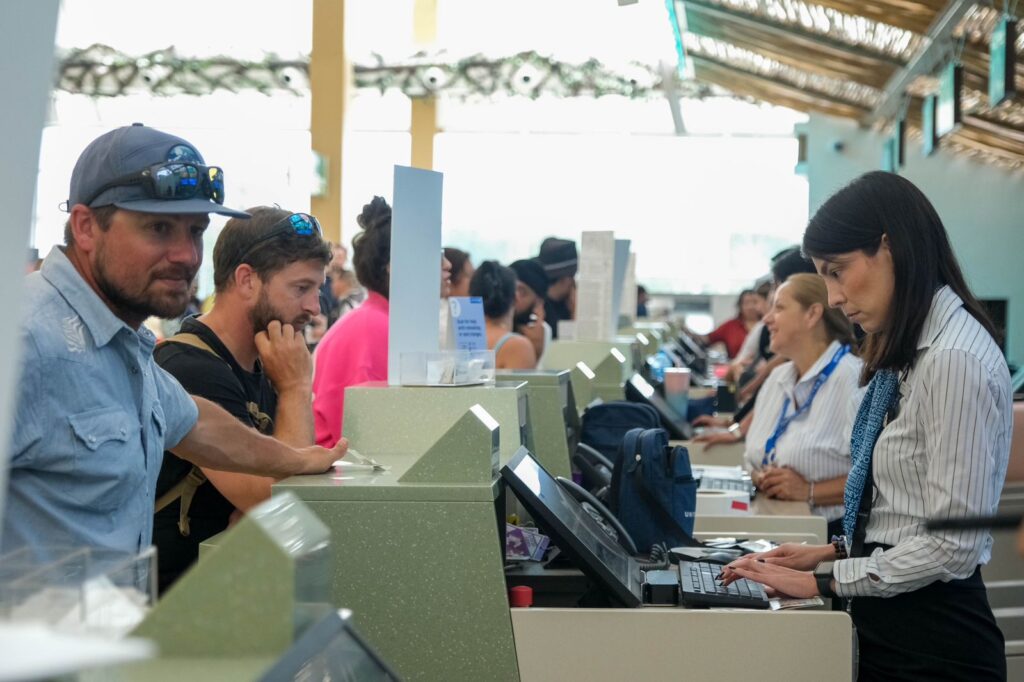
x: 600, y: 513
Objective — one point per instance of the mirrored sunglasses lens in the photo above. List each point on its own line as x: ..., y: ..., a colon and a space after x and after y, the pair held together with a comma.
x: 304, y: 224
x: 216, y: 184
x: 176, y: 181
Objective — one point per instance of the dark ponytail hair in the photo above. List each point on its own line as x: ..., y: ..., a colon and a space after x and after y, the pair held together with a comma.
x: 371, y: 248
x: 496, y: 285
x: 854, y: 219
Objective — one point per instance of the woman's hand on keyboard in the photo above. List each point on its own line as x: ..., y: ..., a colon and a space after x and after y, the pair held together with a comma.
x: 796, y: 556
x: 778, y: 580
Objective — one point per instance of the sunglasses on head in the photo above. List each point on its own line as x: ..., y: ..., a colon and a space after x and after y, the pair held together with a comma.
x: 301, y: 224
x: 173, y: 181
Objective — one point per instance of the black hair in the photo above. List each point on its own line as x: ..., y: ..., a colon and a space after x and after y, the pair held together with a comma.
x: 235, y: 246
x: 458, y: 258
x: 856, y: 218
x: 789, y: 262
x: 371, y: 248
x: 496, y: 285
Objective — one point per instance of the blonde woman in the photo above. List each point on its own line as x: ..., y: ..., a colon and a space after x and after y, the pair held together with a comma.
x: 798, y: 445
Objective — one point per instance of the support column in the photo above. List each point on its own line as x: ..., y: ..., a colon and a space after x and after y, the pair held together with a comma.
x: 423, y: 125
x: 329, y: 82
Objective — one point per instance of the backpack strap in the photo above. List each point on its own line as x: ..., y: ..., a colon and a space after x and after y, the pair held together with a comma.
x: 187, y: 486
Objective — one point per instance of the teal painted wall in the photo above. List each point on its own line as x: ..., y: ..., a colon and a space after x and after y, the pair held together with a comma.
x: 981, y: 205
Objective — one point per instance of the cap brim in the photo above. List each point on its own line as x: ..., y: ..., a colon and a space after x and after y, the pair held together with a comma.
x: 184, y: 206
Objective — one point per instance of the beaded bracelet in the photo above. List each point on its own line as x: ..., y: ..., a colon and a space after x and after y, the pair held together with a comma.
x: 841, y: 546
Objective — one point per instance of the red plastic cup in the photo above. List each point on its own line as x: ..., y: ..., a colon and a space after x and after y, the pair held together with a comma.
x: 520, y: 597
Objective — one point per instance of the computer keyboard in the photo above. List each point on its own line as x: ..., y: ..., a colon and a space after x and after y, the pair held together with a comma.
x: 699, y: 588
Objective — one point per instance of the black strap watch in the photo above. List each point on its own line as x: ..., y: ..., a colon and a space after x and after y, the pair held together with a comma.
x: 823, y: 577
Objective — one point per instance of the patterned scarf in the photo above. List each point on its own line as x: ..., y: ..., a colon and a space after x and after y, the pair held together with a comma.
x: 881, y: 394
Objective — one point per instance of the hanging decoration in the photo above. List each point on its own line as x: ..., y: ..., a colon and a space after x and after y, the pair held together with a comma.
x: 101, y: 71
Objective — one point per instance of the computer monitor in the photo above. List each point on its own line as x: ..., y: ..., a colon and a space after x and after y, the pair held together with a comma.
x: 573, y: 530
x: 639, y: 390
x: 331, y: 649
x: 693, y: 355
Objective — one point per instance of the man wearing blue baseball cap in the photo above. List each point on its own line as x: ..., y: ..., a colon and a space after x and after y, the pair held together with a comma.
x: 94, y: 412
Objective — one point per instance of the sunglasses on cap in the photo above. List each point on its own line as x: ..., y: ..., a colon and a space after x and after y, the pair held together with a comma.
x: 173, y: 181
x: 301, y: 224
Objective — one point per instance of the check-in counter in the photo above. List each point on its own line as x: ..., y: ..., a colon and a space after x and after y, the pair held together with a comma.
x: 681, y: 644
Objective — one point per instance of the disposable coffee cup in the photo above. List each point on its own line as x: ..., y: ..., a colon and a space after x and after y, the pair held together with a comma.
x: 677, y: 389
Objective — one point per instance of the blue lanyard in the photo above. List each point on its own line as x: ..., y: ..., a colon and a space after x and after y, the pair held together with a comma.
x: 784, y: 421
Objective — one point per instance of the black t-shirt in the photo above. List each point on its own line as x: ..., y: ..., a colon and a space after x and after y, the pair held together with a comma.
x: 223, y: 381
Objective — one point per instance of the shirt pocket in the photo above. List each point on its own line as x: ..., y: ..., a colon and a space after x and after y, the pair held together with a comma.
x: 109, y: 464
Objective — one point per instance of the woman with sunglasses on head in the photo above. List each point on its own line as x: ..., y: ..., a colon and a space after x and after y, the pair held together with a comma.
x: 930, y: 440
x: 798, y: 444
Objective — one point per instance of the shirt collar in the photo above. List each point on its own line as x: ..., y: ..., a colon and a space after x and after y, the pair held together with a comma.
x: 819, y: 365
x: 944, y: 303
x: 102, y: 323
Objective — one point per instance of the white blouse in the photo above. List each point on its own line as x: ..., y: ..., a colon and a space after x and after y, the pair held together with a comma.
x: 943, y: 456
x: 817, y: 443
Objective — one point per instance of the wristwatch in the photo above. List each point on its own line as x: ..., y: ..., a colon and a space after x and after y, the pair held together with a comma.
x: 735, y: 430
x: 823, y: 576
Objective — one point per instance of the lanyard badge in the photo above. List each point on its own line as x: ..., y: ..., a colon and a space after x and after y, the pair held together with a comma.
x: 784, y: 420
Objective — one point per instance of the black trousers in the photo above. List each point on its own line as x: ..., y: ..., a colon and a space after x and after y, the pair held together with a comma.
x: 945, y: 631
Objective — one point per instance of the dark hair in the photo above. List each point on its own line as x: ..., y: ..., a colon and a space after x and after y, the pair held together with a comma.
x: 236, y: 245
x: 789, y: 262
x: 854, y: 219
x: 371, y: 248
x: 458, y: 258
x: 739, y: 299
x: 496, y: 285
x: 103, y: 215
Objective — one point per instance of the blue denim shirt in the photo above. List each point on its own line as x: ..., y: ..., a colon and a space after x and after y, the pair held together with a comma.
x: 94, y: 414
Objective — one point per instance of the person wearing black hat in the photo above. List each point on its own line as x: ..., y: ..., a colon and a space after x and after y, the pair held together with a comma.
x: 94, y: 413
x: 529, y: 319
x: 560, y: 261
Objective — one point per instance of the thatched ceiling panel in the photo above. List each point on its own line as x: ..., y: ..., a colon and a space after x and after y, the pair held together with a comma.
x: 911, y: 15
x: 793, y: 51
x: 817, y: 20
x: 769, y: 90
x: 758, y: 64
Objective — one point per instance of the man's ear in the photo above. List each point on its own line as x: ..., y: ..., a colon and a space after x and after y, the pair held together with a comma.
x: 84, y: 228
x: 247, y: 282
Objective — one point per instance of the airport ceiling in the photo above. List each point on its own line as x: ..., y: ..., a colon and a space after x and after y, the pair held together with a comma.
x: 868, y: 60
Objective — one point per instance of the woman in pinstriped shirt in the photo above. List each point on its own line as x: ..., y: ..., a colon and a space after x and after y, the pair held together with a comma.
x: 931, y: 440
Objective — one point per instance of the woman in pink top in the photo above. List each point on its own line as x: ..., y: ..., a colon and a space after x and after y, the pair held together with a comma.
x: 355, y: 349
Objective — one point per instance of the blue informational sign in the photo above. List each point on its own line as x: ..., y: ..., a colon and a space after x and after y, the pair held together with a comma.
x: 948, y: 112
x: 467, y: 322
x: 1002, y: 58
